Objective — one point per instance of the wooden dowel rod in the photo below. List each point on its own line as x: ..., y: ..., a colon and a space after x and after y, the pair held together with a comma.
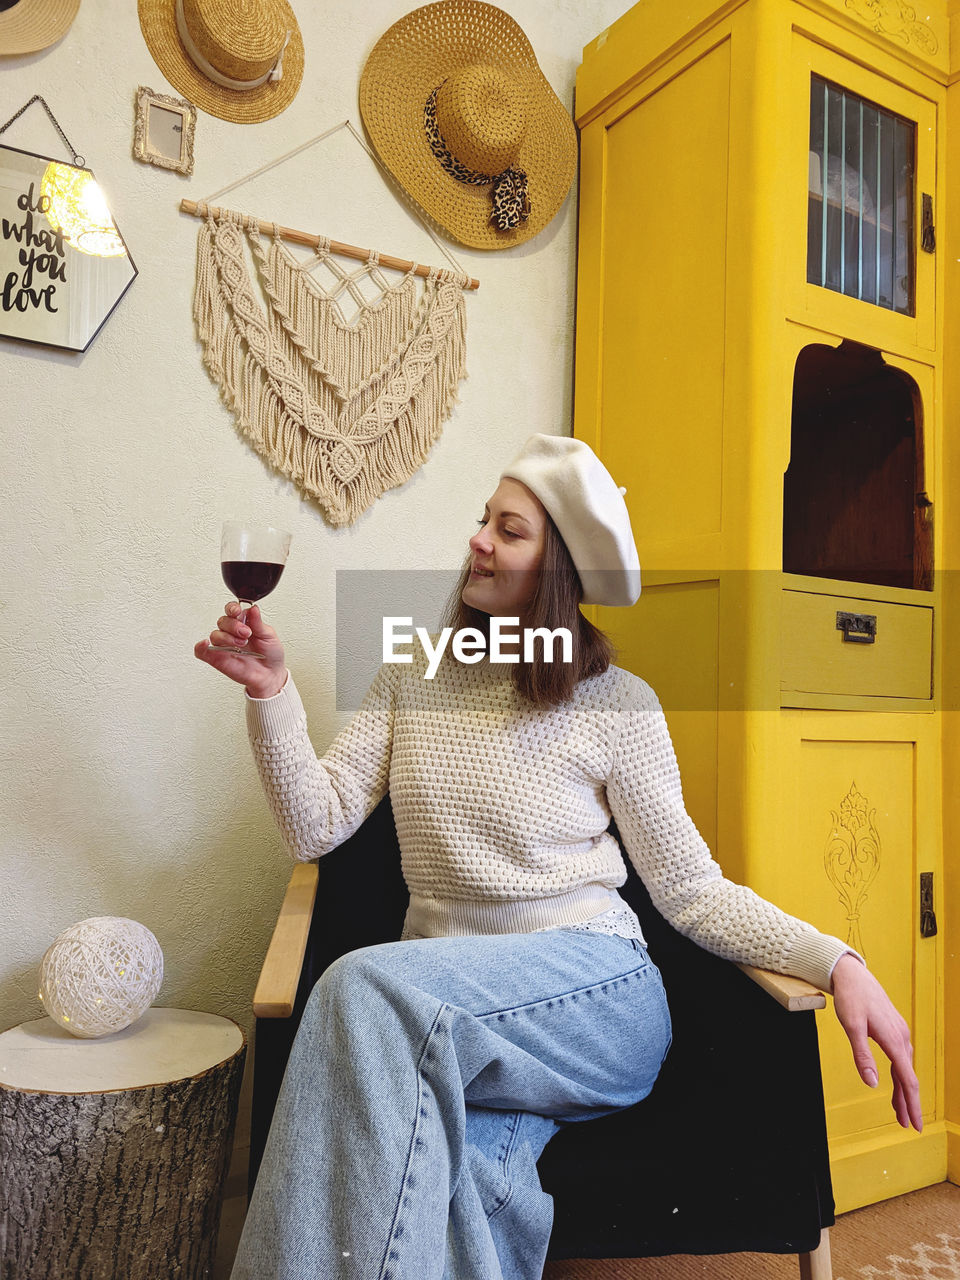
x: 336, y: 246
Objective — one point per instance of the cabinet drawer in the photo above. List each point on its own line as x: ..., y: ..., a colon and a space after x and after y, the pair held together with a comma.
x: 817, y: 658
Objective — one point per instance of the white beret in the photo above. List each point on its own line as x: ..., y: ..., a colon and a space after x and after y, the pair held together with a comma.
x: 588, y: 509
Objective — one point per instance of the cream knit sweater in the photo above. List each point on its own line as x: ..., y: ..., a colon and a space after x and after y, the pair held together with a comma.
x: 502, y: 809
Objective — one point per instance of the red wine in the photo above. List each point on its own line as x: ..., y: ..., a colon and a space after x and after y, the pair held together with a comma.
x: 250, y: 579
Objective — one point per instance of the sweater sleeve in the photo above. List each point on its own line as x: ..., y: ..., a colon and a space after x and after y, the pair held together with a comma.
x: 685, y: 883
x: 320, y: 801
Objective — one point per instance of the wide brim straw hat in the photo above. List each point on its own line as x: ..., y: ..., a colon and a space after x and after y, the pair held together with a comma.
x: 233, y: 46
x: 471, y: 68
x: 31, y: 25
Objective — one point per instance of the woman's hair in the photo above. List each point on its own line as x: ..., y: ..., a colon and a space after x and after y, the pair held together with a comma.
x: 555, y: 603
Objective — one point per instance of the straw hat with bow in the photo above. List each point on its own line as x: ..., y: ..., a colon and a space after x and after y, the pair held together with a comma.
x: 241, y: 60
x: 463, y: 117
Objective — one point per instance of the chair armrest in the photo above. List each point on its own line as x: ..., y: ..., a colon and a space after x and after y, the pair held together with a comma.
x: 280, y: 975
x: 793, y: 993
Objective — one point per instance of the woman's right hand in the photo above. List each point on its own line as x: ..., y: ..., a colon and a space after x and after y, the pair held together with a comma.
x: 262, y: 676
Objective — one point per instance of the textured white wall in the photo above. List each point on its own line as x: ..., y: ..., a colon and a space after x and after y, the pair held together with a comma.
x: 126, y: 785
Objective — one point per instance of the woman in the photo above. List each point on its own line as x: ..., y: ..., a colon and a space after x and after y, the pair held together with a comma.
x: 428, y: 1074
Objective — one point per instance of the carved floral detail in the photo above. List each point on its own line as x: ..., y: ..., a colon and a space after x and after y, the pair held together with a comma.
x: 895, y: 20
x: 852, y: 858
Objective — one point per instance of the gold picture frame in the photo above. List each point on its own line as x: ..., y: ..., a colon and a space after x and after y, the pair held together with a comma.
x: 163, y: 131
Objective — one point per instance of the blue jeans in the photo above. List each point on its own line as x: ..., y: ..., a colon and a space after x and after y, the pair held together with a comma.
x: 426, y: 1079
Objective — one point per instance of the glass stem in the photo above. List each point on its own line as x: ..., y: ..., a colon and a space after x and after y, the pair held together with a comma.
x: 244, y: 606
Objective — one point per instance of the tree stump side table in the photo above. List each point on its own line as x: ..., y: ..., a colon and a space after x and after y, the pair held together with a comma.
x: 114, y: 1152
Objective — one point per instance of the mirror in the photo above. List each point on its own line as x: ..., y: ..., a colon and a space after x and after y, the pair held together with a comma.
x: 164, y: 129
x: 63, y: 263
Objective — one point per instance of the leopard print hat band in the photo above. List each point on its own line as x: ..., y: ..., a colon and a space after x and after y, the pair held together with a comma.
x: 511, y: 201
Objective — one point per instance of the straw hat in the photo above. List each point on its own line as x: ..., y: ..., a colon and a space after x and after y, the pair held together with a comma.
x: 241, y: 60
x: 31, y: 25
x: 463, y: 117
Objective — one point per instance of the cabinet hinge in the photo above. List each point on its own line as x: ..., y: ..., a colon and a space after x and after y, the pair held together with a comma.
x: 928, y: 239
x: 928, y: 920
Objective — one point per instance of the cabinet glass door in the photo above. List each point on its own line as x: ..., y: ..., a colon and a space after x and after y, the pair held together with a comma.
x: 861, y: 216
x: 859, y: 179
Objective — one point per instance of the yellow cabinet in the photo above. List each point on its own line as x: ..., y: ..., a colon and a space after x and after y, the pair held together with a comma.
x: 760, y: 360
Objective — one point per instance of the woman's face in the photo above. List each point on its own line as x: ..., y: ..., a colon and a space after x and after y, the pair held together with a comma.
x: 506, y: 552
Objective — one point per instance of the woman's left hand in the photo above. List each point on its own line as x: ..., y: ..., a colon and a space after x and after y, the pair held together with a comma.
x: 866, y: 1011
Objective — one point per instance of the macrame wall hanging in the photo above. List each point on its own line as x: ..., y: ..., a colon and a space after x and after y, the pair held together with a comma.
x: 345, y: 410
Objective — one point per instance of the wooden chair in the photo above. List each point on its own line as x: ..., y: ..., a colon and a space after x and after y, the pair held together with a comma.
x: 727, y: 1155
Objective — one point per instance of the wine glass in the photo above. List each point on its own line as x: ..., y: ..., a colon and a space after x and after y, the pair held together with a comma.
x: 252, y: 557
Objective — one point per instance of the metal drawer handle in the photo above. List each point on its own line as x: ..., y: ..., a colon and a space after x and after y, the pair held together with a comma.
x: 857, y: 628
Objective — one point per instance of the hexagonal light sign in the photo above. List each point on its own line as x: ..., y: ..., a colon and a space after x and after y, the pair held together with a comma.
x: 63, y: 263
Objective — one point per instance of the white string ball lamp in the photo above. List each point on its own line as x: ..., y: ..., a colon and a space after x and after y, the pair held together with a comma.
x: 100, y: 975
